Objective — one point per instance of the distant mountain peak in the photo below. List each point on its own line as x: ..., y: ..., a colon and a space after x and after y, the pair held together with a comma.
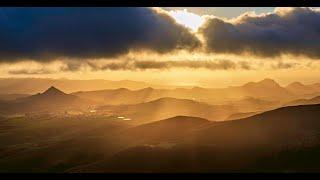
x: 266, y: 82
x: 53, y: 91
x: 198, y: 88
x: 123, y: 89
x: 147, y: 89
x: 295, y: 84
x: 171, y: 99
x: 269, y: 81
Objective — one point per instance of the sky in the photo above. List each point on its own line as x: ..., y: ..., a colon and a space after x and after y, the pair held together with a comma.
x: 226, y: 12
x: 209, y: 47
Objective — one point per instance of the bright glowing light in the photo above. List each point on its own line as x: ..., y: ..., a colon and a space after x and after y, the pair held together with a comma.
x: 188, y: 19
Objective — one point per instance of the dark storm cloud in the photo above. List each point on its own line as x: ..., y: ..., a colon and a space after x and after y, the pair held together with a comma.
x: 286, y: 31
x: 47, y: 33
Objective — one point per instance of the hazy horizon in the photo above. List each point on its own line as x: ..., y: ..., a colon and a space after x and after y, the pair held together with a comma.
x: 173, y: 85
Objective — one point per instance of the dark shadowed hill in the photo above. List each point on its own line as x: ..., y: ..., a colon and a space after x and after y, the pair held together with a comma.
x: 54, y: 144
x: 165, y: 130
x: 283, y: 126
x: 277, y: 140
x: 239, y: 145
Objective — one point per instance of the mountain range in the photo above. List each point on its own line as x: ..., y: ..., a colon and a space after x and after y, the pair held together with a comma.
x: 264, y: 90
x: 149, y: 104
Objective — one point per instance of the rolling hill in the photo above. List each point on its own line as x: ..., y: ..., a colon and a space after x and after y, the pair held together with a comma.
x: 315, y: 100
x: 169, y: 107
x: 251, y: 104
x: 118, y: 96
x: 164, y: 130
x: 243, y: 145
x: 241, y: 115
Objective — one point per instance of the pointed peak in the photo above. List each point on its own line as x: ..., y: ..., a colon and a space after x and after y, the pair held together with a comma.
x: 53, y: 91
x: 53, y: 88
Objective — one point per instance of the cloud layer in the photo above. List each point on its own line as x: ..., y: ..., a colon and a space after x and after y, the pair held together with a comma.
x: 127, y: 65
x: 293, y: 31
x: 49, y: 33
x: 162, y: 65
